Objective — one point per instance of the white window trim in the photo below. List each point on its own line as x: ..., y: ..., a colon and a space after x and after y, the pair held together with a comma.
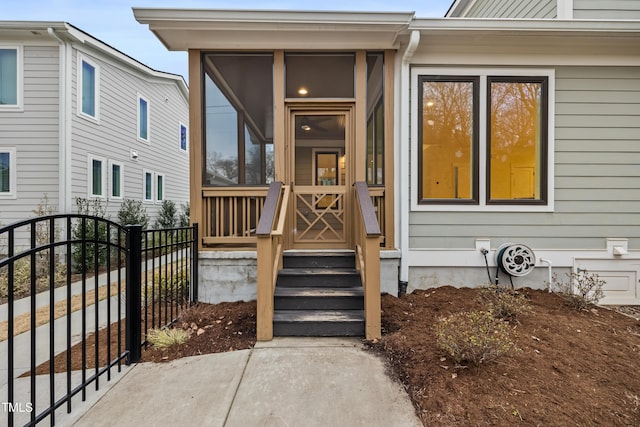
x: 180, y: 125
x: 12, y: 194
x: 164, y: 187
x: 83, y: 58
x: 19, y: 106
x: 483, y: 73
x: 111, y: 164
x: 144, y: 183
x: 103, y: 178
x: 148, y: 139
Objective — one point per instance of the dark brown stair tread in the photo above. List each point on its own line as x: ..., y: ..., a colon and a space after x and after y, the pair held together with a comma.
x: 318, y: 316
x: 318, y: 292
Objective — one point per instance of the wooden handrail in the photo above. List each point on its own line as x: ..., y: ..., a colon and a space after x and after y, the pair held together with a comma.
x: 283, y: 211
x: 270, y: 250
x: 269, y: 209
x: 369, y: 219
x: 368, y: 259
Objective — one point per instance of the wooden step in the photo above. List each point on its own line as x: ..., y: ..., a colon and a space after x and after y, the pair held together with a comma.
x: 318, y: 259
x: 318, y: 323
x: 321, y: 277
x: 307, y: 298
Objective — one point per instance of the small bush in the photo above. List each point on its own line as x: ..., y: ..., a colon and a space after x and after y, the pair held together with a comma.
x: 163, y: 338
x: 504, y: 303
x: 580, y: 290
x: 173, y: 288
x: 132, y: 212
x: 22, y: 277
x: 184, y: 219
x: 474, y: 337
x: 167, y: 215
x: 88, y: 232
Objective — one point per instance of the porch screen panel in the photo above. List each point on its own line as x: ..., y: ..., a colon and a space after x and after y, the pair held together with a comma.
x: 320, y: 75
x: 448, y: 140
x: 375, y: 119
x: 238, y: 118
x: 517, y: 139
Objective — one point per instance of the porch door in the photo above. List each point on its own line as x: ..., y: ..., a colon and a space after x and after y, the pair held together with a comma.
x: 320, y: 146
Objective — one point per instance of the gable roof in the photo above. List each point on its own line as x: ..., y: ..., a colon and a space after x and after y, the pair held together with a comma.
x: 34, y: 31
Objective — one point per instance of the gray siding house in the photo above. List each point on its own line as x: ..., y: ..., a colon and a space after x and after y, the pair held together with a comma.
x: 80, y: 119
x: 505, y: 124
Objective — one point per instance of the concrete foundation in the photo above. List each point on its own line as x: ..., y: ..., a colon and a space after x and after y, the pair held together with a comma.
x: 470, y: 277
x: 227, y: 276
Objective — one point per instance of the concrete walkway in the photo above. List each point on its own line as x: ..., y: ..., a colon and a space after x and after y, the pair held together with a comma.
x: 285, y: 382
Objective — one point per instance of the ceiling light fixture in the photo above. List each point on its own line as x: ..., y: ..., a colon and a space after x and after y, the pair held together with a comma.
x: 305, y: 128
x: 303, y: 91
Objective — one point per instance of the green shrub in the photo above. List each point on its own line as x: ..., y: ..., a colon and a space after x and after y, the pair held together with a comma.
x: 474, y: 337
x: 22, y: 278
x: 580, y: 290
x: 87, y: 231
x: 167, y: 215
x: 163, y: 338
x: 503, y: 303
x: 22, y: 267
x: 184, y: 219
x: 171, y: 288
x: 133, y: 212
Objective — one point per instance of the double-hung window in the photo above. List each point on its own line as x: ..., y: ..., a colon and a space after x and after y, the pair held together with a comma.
x: 159, y: 187
x: 143, y: 119
x: 483, y: 139
x: 147, y: 186
x: 153, y: 184
x: 88, y: 88
x: 97, y: 177
x: 116, y: 180
x: 7, y: 173
x: 183, y: 138
x: 10, y: 78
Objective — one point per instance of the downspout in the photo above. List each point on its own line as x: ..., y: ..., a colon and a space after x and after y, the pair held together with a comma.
x: 405, y: 150
x: 64, y: 131
x: 548, y: 262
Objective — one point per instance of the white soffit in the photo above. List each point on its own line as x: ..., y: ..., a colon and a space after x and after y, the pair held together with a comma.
x: 183, y: 29
x: 526, y: 41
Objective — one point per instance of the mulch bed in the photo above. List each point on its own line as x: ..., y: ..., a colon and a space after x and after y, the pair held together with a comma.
x: 573, y: 367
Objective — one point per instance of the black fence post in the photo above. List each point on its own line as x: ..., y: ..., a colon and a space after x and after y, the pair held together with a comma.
x: 133, y: 293
x: 194, y: 259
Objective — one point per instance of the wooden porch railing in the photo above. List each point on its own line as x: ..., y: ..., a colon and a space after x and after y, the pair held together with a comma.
x: 231, y: 215
x: 269, y: 237
x: 368, y: 259
x: 377, y: 198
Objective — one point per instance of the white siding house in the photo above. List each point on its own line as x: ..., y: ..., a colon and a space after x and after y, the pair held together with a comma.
x: 72, y: 126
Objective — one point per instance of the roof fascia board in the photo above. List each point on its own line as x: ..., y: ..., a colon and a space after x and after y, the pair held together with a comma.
x: 176, y: 28
x: 526, y: 25
x: 70, y: 33
x: 88, y: 40
x: 274, y: 17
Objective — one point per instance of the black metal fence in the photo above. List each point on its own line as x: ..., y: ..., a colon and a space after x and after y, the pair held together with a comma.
x: 77, y: 295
